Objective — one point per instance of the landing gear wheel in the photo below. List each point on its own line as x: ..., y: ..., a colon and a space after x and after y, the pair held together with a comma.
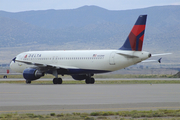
x: 28, y: 82
x: 87, y: 80
x: 90, y: 80
x: 57, y: 81
x: 5, y: 76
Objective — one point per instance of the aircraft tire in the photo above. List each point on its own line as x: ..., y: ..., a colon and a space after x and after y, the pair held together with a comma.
x: 90, y: 80
x: 28, y: 82
x: 57, y: 81
x: 87, y: 80
x: 5, y: 76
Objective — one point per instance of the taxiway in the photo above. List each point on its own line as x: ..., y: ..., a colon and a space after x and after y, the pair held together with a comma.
x: 65, y: 98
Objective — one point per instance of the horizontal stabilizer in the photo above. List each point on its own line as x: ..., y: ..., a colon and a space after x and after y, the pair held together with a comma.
x: 159, y: 60
x: 161, y: 54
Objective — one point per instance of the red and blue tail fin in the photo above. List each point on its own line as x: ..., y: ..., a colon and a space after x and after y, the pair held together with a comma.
x: 134, y: 41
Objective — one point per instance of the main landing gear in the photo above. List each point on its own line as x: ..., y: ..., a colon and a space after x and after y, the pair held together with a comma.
x: 57, y: 81
x: 89, y: 80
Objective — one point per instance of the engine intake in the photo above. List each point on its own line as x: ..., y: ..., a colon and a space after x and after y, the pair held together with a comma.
x: 32, y: 74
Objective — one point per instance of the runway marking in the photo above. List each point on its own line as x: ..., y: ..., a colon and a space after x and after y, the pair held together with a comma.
x: 100, y: 109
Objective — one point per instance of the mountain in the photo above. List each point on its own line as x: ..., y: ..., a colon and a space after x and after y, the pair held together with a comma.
x: 89, y: 27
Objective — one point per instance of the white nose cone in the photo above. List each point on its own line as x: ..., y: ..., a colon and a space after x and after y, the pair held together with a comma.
x: 12, y: 66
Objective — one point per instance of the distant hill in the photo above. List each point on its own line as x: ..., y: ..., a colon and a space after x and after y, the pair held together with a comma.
x: 89, y: 27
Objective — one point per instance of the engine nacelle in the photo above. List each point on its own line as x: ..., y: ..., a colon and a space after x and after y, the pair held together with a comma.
x: 32, y: 74
x: 79, y: 77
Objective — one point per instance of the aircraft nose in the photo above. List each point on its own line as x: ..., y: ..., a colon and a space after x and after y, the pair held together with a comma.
x: 12, y: 65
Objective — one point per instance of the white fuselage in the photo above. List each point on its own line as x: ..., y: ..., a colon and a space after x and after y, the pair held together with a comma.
x: 98, y: 60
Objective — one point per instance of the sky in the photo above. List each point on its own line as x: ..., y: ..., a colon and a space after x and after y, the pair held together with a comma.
x: 27, y: 5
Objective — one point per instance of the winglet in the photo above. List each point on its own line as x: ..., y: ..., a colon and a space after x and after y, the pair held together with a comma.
x: 159, y: 60
x: 14, y: 59
x: 134, y: 41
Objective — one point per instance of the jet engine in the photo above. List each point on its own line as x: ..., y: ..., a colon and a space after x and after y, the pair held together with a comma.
x: 32, y: 74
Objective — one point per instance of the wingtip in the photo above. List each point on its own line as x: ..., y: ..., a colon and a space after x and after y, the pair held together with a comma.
x: 159, y: 60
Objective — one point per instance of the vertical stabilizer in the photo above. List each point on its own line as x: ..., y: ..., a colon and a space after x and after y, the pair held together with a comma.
x: 135, y: 39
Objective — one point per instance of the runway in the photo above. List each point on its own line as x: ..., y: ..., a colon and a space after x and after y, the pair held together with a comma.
x: 44, y: 99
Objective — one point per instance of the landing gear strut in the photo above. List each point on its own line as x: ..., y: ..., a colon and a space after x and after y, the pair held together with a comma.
x: 57, y: 81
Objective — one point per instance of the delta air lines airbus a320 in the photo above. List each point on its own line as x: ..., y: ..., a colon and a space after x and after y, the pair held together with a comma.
x: 83, y: 64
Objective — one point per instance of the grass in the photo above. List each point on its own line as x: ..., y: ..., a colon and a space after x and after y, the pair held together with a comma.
x: 140, y: 114
x: 101, y: 82
x: 102, y: 115
x: 106, y: 76
x: 105, y: 81
x: 134, y: 76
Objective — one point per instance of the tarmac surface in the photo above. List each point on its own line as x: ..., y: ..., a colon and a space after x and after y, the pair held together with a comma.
x: 69, y: 98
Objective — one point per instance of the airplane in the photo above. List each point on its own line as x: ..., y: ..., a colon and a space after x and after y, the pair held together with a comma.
x: 83, y: 64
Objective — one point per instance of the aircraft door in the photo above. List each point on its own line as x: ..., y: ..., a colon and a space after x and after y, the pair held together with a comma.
x: 112, y: 58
